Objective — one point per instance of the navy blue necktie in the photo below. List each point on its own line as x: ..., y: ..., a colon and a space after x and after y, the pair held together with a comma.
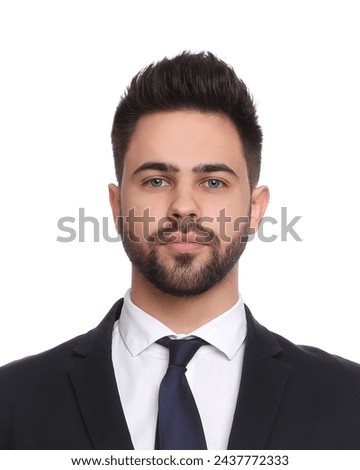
x: 179, y: 424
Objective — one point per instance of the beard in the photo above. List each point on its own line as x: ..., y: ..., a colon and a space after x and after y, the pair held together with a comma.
x: 183, y: 278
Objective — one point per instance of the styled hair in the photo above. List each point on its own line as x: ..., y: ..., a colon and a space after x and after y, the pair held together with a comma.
x: 189, y: 81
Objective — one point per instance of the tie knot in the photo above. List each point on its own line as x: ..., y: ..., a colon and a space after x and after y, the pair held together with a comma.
x: 181, y: 351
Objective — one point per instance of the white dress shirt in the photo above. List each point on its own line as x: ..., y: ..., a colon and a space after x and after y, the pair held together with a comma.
x: 213, y: 374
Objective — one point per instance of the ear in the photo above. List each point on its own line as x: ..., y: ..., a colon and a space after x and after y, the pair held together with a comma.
x: 114, y: 198
x: 260, y: 197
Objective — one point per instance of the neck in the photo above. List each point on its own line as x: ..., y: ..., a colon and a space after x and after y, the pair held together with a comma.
x: 185, y: 314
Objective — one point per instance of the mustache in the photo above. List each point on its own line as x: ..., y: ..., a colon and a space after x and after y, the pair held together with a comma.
x: 185, y: 226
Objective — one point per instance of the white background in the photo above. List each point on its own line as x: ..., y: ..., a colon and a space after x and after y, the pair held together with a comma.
x: 65, y: 64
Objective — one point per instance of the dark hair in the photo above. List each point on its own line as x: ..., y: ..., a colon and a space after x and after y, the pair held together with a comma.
x: 191, y: 81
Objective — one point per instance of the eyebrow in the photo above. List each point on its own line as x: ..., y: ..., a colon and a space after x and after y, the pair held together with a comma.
x: 171, y: 168
x: 213, y: 167
x: 159, y: 166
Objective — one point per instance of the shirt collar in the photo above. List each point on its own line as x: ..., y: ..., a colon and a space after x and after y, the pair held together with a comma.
x: 139, y: 330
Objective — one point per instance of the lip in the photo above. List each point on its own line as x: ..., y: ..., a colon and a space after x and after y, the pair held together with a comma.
x: 181, y: 242
x: 183, y: 238
x: 181, y: 247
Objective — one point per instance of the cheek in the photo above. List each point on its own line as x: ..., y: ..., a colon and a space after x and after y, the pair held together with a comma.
x: 227, y: 216
x: 223, y: 209
x: 141, y: 201
x: 141, y: 218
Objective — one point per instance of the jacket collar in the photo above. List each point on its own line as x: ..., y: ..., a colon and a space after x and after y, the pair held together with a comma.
x: 95, y: 387
x: 262, y: 385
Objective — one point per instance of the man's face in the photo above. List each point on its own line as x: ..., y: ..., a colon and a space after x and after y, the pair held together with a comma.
x: 184, y: 201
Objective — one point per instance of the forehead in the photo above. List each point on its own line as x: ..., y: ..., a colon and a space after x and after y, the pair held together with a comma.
x: 187, y: 138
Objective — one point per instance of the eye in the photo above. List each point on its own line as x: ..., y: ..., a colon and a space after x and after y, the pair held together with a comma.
x: 156, y: 182
x: 214, y: 183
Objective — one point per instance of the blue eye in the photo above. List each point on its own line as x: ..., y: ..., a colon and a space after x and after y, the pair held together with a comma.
x: 214, y: 183
x: 156, y: 182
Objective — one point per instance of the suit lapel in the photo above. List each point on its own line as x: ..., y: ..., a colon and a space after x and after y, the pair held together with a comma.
x: 95, y: 387
x: 93, y: 380
x: 262, y: 385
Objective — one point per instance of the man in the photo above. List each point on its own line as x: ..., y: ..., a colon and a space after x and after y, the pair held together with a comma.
x: 180, y: 362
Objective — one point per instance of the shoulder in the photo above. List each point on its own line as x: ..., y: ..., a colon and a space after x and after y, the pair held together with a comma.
x: 316, y: 362
x: 56, y: 361
x: 317, y: 393
x: 38, y: 402
x: 32, y: 389
x: 308, y: 364
x: 27, y: 371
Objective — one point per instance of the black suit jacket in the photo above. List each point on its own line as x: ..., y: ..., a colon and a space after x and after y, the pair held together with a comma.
x: 290, y: 397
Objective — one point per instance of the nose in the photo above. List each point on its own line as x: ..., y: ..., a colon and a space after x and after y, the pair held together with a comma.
x: 184, y: 204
